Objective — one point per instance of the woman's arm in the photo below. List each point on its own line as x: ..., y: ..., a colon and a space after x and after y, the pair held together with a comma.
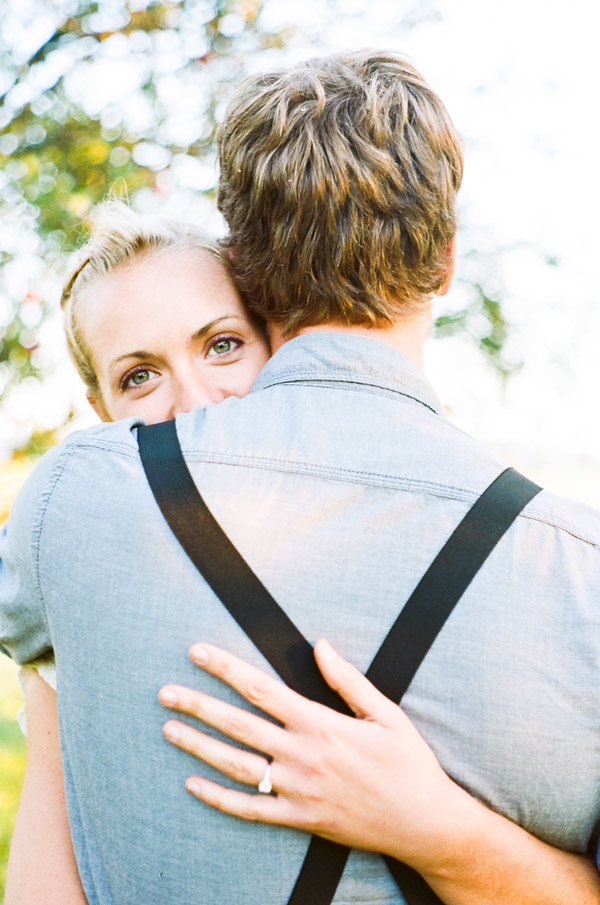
x: 41, y: 865
x: 369, y: 783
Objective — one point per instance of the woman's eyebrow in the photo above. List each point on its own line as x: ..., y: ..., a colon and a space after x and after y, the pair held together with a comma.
x: 142, y: 353
x: 212, y: 324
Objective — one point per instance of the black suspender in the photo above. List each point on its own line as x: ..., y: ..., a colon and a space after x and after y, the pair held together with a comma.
x: 285, y: 648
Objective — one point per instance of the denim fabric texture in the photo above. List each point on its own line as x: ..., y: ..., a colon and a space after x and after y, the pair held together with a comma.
x: 339, y: 479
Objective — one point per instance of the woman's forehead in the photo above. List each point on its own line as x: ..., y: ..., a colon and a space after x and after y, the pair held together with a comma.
x: 156, y: 300
x: 158, y: 280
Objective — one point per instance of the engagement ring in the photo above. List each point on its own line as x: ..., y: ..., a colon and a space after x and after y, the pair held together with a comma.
x: 264, y: 785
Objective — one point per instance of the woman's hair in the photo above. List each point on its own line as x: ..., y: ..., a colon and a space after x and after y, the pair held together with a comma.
x: 338, y: 184
x: 119, y: 236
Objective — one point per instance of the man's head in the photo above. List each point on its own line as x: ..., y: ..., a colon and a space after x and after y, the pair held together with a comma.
x: 338, y: 183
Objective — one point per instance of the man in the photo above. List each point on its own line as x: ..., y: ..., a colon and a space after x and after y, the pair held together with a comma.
x: 339, y: 480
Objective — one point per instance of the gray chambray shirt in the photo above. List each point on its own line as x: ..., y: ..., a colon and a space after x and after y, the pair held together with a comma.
x: 339, y: 479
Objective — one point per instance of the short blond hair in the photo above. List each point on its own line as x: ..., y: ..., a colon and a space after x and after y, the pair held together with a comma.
x: 119, y: 236
x: 338, y: 183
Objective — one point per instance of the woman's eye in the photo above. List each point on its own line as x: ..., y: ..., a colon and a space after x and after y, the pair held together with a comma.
x: 224, y: 346
x: 137, y: 378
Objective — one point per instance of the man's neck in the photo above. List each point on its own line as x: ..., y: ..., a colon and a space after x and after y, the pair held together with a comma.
x: 407, y: 336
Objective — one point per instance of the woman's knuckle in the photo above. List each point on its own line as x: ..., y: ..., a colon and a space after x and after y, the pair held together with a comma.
x: 249, y: 812
x: 238, y: 726
x: 237, y: 768
x: 312, y: 762
x: 257, y: 690
x: 315, y: 766
x: 325, y: 739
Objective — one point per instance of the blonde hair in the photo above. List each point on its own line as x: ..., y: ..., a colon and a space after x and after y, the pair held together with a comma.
x: 119, y: 236
x: 338, y: 184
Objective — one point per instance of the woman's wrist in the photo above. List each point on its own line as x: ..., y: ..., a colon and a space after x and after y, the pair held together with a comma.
x: 445, y: 835
x: 479, y: 857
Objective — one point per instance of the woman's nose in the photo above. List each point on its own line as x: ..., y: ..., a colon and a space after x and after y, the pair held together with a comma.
x: 196, y: 394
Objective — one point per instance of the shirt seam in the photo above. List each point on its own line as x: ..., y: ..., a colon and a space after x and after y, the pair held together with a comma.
x: 390, y: 482
x: 40, y: 517
x: 338, y: 473
x: 374, y: 389
x: 308, y: 372
x: 115, y: 446
x: 336, y: 375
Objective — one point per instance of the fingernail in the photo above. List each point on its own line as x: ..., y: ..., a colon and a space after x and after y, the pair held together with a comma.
x: 167, y: 696
x: 193, y: 787
x: 199, y: 654
x: 172, y: 732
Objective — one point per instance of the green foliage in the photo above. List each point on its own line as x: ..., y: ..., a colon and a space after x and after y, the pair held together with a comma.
x: 483, y: 320
x: 17, y: 344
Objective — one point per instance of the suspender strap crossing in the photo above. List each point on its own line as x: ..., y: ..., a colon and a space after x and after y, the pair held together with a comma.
x: 286, y: 649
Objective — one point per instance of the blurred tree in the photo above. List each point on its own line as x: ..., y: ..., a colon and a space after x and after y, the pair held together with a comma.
x: 122, y: 95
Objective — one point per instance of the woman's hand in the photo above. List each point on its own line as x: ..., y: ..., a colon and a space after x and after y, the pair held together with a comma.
x: 370, y: 782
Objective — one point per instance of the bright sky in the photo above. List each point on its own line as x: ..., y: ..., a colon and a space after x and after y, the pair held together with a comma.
x: 520, y: 79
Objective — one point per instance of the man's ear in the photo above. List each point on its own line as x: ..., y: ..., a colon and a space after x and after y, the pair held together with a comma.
x: 96, y: 403
x: 450, y: 268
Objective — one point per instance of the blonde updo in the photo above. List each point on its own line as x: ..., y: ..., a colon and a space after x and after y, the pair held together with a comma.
x: 119, y: 236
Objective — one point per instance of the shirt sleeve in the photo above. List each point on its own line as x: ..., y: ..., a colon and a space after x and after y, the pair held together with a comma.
x: 46, y: 669
x: 24, y: 631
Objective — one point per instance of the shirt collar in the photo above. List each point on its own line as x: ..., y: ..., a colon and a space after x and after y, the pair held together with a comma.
x: 332, y: 357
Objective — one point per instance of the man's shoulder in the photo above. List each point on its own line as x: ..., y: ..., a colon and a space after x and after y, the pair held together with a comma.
x: 566, y: 515
x: 550, y: 510
x: 117, y: 437
x: 472, y: 461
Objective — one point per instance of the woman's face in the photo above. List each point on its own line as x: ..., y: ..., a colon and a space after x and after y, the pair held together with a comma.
x: 168, y: 333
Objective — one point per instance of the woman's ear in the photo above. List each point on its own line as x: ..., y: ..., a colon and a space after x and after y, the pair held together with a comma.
x: 95, y: 400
